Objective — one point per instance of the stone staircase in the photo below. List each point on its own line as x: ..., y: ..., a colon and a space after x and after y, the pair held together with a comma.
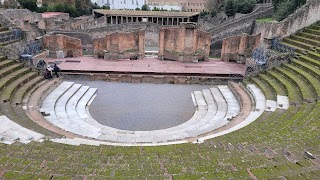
x: 16, y: 82
x: 9, y: 36
x: 66, y: 107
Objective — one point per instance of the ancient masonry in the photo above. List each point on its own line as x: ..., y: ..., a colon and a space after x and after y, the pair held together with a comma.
x: 186, y: 43
x: 71, y: 47
x: 236, y: 47
x: 120, y: 46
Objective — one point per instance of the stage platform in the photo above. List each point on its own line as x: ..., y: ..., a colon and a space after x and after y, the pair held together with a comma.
x: 150, y: 65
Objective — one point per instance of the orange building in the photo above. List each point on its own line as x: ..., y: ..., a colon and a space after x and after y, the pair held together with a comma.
x: 187, y: 5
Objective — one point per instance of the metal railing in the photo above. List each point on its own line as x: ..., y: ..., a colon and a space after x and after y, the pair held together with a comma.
x: 276, y: 45
x: 10, y: 36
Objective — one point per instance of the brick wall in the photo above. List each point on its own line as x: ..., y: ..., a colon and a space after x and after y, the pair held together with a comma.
x: 185, y: 43
x: 235, y: 46
x: 70, y: 46
x: 120, y: 45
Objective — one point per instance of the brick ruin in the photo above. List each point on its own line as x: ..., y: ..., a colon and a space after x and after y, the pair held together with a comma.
x: 71, y: 47
x: 120, y: 46
x: 237, y: 48
x: 186, y: 43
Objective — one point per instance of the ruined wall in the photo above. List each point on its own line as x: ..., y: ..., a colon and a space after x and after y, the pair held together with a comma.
x: 70, y: 46
x: 184, y: 43
x: 303, y: 17
x: 244, y: 24
x: 120, y: 45
x: 151, y: 36
x: 235, y: 46
x: 52, y: 21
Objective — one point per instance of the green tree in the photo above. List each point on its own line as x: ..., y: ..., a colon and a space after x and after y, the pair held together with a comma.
x: 230, y: 8
x: 244, y: 6
x: 145, y: 7
x: 284, y: 9
x: 29, y: 4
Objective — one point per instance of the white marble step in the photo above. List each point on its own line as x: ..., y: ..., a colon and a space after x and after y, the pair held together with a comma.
x: 258, y: 96
x: 200, y: 100
x: 61, y: 104
x: 255, y: 114
x: 271, y: 105
x: 72, y: 103
x: 219, y: 119
x: 232, y: 103
x: 11, y: 132
x: 82, y: 104
x: 282, y: 102
x: 49, y: 102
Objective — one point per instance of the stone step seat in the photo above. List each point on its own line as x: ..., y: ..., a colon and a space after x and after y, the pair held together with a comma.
x: 3, y: 58
x: 48, y: 104
x: 314, y: 82
x: 314, y: 55
x: 310, y: 36
x: 309, y: 68
x: 293, y: 93
x: 12, y: 132
x: 296, y: 48
x: 310, y: 60
x: 232, y: 103
x: 268, y: 91
x: 4, y: 81
x: 315, y: 26
x: 278, y: 88
x: 7, y: 70
x: 82, y: 104
x: 5, y: 63
x: 260, y: 102
x: 3, y: 29
x: 8, y: 91
x: 299, y: 44
x: 305, y: 40
x: 312, y: 31
x: 73, y: 101
x: 60, y: 107
x: 306, y: 91
x: 21, y: 91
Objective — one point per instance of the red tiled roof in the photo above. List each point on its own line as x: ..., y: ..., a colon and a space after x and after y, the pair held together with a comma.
x: 145, y: 13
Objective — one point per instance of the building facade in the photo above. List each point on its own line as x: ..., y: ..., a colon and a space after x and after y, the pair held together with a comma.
x: 121, y: 4
x: 186, y: 5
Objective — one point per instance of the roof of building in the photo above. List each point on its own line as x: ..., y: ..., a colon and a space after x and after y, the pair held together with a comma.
x: 51, y: 14
x: 145, y: 13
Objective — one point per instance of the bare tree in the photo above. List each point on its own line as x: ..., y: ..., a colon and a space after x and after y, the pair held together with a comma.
x: 214, y: 6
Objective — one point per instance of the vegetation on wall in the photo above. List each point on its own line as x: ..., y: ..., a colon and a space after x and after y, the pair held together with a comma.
x: 283, y: 8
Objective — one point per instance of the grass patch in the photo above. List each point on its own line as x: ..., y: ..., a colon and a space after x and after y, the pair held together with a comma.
x: 264, y: 20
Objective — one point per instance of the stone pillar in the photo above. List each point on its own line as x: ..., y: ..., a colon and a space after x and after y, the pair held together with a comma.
x: 157, y: 20
x: 161, y: 42
x: 116, y: 19
x: 195, y: 38
x: 111, y: 19
x: 162, y: 21
x: 141, y: 43
x: 167, y: 21
x: 121, y: 19
x: 188, y: 19
x: 243, y: 43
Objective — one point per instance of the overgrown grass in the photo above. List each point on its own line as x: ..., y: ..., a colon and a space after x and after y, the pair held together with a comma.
x: 264, y: 20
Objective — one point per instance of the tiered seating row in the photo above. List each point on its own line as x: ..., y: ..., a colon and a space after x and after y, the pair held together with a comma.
x: 15, y: 82
x: 11, y: 132
x: 66, y: 108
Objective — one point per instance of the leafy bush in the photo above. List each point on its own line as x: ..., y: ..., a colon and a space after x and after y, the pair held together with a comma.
x: 230, y: 8
x: 244, y: 6
x: 284, y: 8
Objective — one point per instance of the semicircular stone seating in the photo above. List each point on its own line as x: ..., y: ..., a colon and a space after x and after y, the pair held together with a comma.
x: 67, y: 108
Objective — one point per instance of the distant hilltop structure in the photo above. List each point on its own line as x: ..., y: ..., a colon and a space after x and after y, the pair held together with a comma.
x: 120, y: 4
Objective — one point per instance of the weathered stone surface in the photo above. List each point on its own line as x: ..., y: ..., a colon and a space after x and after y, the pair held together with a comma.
x: 186, y: 43
x: 303, y: 17
x: 236, y: 46
x: 70, y: 46
x: 120, y: 45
